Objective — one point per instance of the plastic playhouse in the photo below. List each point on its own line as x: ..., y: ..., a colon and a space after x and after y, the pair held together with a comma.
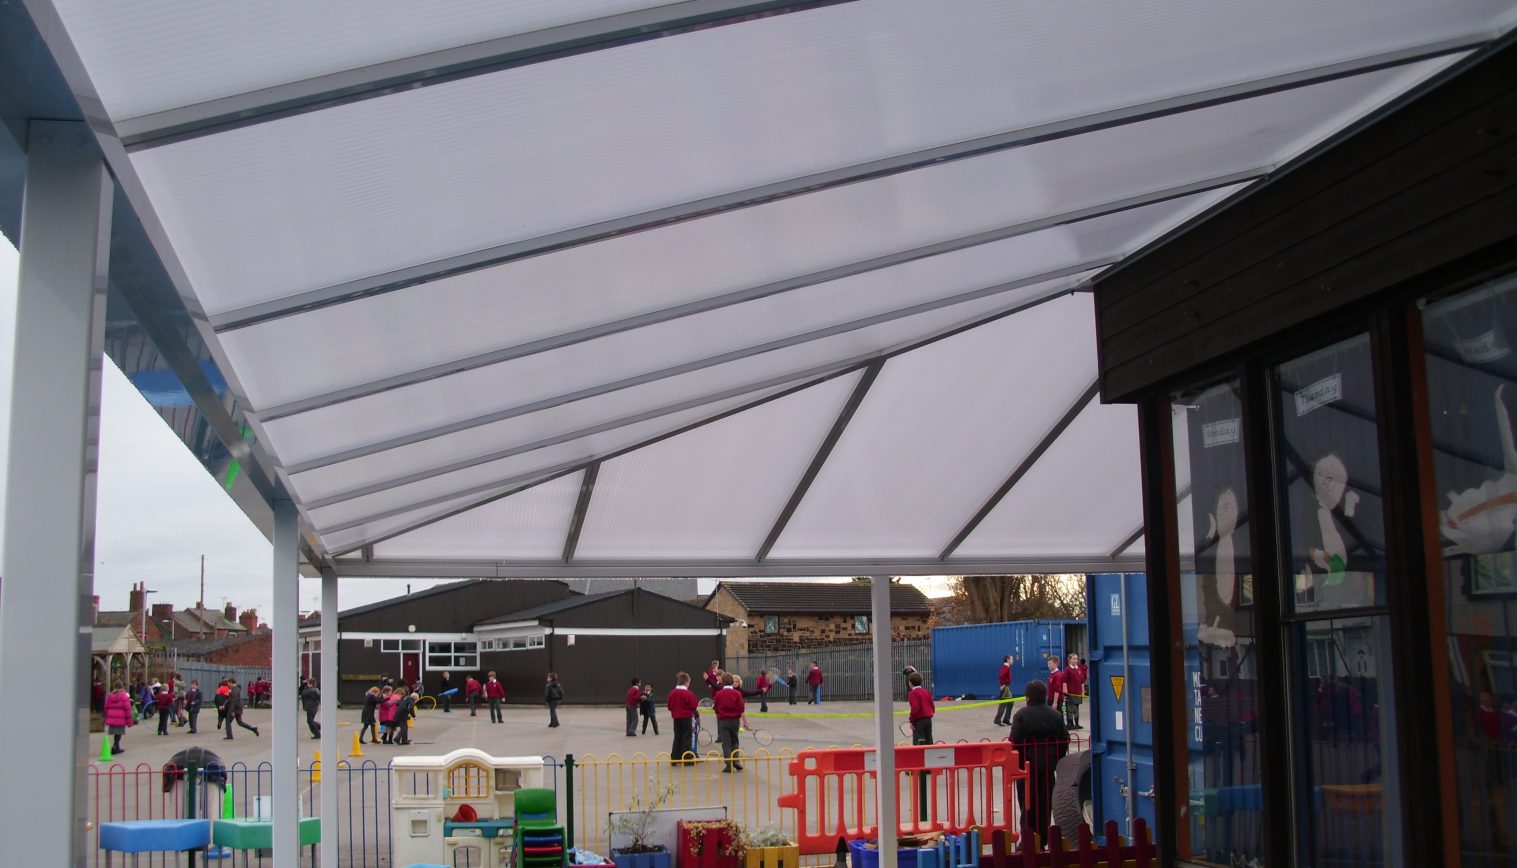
x: 468, y: 800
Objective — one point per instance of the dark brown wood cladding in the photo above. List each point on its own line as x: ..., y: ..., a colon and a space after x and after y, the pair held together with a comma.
x: 1426, y: 184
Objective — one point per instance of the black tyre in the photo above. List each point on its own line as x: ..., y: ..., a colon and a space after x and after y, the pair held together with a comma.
x: 1071, y: 794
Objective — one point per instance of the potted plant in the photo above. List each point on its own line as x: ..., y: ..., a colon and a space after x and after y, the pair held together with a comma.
x: 636, y: 825
x: 709, y: 844
x: 769, y: 847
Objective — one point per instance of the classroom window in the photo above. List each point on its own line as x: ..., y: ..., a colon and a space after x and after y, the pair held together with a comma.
x: 861, y: 623
x: 1472, y: 389
x: 771, y: 623
x: 452, y: 655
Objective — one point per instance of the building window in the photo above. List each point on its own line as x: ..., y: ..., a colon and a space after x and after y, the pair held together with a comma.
x: 1338, y: 626
x: 535, y: 641
x: 452, y: 655
x: 771, y: 624
x: 1217, y: 615
x: 397, y: 645
x: 1471, y: 396
x: 861, y: 623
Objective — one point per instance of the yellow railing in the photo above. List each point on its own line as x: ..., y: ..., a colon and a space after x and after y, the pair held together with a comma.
x: 607, y: 784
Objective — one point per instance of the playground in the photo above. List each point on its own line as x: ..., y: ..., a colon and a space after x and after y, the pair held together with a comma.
x: 607, y: 768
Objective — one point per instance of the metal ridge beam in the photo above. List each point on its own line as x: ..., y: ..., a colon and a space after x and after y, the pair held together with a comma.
x: 581, y: 508
x: 1137, y: 534
x: 548, y: 474
x: 714, y: 568
x: 1043, y: 446
x: 443, y: 66
x: 696, y: 365
x: 871, y: 373
x: 501, y: 254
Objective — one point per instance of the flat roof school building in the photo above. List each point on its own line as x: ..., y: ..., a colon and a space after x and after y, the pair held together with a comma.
x: 1214, y: 289
x: 521, y: 630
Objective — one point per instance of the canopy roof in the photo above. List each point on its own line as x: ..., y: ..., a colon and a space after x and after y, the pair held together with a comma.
x: 712, y: 288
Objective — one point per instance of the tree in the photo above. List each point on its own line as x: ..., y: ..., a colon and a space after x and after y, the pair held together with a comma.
x: 1044, y: 597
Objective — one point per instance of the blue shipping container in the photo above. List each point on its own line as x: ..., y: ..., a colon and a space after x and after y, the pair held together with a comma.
x: 967, y: 660
x: 1121, y: 719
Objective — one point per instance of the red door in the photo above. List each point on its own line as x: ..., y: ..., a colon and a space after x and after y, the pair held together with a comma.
x: 410, y: 667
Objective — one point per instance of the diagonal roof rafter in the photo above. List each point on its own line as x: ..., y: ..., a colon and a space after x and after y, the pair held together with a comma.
x: 871, y: 373
x: 370, y: 286
x: 1026, y: 464
x: 529, y: 480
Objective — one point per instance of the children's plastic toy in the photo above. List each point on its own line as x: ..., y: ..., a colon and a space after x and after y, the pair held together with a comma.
x: 540, y: 839
x: 467, y: 800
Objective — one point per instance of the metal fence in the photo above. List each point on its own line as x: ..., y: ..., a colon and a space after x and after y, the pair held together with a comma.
x: 848, y: 671
x: 118, y: 792
x: 210, y: 674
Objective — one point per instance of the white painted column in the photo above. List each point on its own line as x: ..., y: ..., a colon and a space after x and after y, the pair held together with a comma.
x: 50, y: 493
x: 285, y: 756
x: 331, y: 749
x: 887, y: 810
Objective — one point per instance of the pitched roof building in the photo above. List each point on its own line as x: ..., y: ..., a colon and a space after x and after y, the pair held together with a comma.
x: 786, y: 616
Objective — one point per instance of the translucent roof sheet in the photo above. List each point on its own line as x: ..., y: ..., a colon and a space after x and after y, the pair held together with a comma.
x: 718, y: 287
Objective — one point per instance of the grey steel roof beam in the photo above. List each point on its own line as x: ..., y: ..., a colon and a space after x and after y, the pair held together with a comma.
x: 1027, y: 463
x: 871, y: 372
x: 1137, y: 534
x: 525, y: 481
x: 696, y: 365
x: 581, y: 508
x: 501, y: 254
x: 447, y: 65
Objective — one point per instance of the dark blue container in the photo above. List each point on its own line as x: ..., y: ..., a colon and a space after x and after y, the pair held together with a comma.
x: 966, y: 660
x: 660, y: 859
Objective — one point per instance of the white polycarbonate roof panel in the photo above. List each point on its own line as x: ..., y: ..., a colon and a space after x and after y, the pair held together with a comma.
x: 151, y: 56
x: 530, y: 524
x: 334, y: 348
x: 501, y: 473
x: 1083, y: 497
x: 942, y: 427
x: 475, y: 446
x: 410, y: 409
x: 714, y: 491
x: 351, y: 538
x: 363, y: 189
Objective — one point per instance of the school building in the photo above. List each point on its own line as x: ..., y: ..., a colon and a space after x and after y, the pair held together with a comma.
x: 520, y: 629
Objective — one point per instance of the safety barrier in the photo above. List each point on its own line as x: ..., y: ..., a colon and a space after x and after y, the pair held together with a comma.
x: 1115, y: 853
x: 954, y: 787
x: 118, y: 792
x: 605, y: 784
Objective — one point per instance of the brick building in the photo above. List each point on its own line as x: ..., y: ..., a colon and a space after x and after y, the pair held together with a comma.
x: 253, y: 648
x: 782, y: 616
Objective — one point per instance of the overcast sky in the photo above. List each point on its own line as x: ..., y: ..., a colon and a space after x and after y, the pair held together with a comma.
x: 159, y: 511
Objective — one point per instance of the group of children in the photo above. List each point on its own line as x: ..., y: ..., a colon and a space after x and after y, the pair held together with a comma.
x: 386, y: 716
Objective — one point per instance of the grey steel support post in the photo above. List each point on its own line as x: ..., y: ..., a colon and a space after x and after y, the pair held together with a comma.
x: 887, y: 788
x: 330, y: 749
x: 285, y: 756
x: 50, y: 493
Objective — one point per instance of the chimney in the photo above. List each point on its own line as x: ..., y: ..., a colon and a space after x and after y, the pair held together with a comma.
x: 136, y: 599
x: 162, y: 611
x: 231, y: 613
x: 249, y: 620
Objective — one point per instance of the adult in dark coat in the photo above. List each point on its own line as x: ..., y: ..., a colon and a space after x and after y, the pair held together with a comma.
x: 1041, y: 737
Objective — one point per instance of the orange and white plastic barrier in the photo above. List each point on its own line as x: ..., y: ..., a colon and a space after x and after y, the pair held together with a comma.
x: 944, y: 788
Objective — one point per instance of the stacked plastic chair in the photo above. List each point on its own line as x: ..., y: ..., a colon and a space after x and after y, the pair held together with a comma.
x: 540, y: 841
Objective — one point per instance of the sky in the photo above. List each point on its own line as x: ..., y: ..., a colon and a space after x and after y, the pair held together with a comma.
x: 159, y: 511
